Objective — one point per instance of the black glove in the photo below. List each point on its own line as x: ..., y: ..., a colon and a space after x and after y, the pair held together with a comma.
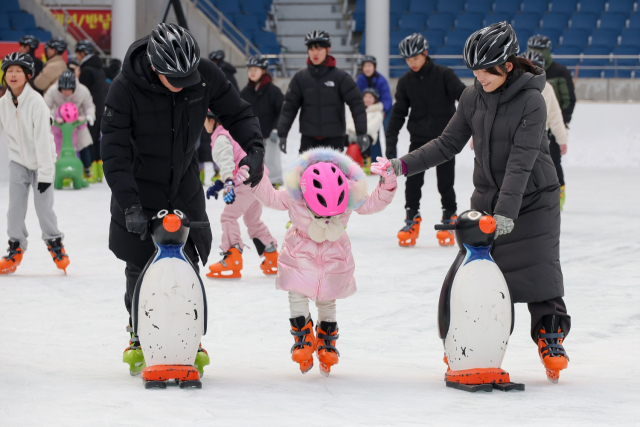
x: 42, y: 186
x: 283, y: 144
x: 137, y: 221
x: 391, y: 151
x: 363, y: 142
x: 255, y: 161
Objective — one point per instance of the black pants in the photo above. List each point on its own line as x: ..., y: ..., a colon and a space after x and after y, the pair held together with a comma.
x: 132, y: 273
x: 95, y: 135
x: 308, y: 142
x: 446, y: 174
x: 554, y: 149
x: 549, y: 307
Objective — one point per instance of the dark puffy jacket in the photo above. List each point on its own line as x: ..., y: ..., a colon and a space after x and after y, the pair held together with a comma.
x: 321, y: 92
x: 514, y: 176
x: 560, y: 77
x: 37, y: 65
x: 266, y: 102
x: 229, y: 71
x: 431, y: 93
x: 93, y: 77
x: 148, y: 144
x: 379, y: 83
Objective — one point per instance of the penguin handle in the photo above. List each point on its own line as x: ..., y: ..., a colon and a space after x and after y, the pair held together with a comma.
x: 444, y: 227
x: 199, y: 224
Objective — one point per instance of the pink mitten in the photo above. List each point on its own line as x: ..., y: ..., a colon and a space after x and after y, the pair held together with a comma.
x: 241, y: 175
x: 383, y: 168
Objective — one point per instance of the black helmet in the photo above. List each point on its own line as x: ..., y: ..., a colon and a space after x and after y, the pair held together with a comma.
x: 373, y: 92
x: 536, y: 58
x: 490, y: 46
x: 21, y: 59
x: 115, y: 63
x: 57, y: 43
x: 72, y: 61
x: 369, y: 58
x: 174, y: 53
x: 212, y: 116
x: 413, y: 45
x: 258, y: 61
x: 319, y: 37
x: 85, y: 46
x: 29, y: 40
x: 67, y: 80
x: 539, y: 42
x: 216, y: 55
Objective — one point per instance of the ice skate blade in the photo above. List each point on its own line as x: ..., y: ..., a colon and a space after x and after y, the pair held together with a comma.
x: 471, y: 388
x: 407, y: 243
x: 154, y: 384
x: 233, y: 275
x: 308, y: 368
x: 134, y: 374
x: 326, y: 374
x: 189, y: 384
x: 509, y: 387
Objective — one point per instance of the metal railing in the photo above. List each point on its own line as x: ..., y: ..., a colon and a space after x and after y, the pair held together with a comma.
x: 226, y: 27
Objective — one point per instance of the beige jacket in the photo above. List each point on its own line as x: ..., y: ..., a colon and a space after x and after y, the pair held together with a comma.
x: 82, y: 99
x: 50, y: 73
x: 555, y: 122
x: 375, y: 117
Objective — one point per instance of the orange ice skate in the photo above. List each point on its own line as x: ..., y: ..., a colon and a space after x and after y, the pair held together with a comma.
x: 550, y: 349
x: 270, y: 264
x: 229, y: 267
x: 328, y: 354
x: 58, y: 253
x: 411, y: 231
x: 305, y: 345
x: 447, y: 237
x: 10, y: 262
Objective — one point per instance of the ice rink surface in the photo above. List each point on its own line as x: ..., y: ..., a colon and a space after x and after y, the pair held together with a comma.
x: 62, y: 337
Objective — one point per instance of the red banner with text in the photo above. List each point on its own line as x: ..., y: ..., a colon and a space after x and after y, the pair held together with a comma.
x: 95, y: 22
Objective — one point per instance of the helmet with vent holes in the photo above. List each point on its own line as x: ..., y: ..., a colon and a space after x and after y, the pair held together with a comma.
x: 325, y: 189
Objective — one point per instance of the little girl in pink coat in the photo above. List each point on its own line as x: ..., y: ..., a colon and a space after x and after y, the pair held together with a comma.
x: 322, y: 189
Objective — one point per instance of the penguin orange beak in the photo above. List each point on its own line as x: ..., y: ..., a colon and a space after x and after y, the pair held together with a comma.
x: 172, y: 223
x: 487, y: 224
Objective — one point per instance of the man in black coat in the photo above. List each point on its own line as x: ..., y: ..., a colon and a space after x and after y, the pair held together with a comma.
x: 154, y: 115
x: 430, y: 91
x: 93, y: 77
x: 217, y: 56
x: 320, y: 92
x: 28, y: 45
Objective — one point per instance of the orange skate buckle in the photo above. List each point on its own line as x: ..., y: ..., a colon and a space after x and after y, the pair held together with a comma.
x: 157, y: 376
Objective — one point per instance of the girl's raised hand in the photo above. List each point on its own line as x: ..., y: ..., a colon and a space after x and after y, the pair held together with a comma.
x: 382, y: 167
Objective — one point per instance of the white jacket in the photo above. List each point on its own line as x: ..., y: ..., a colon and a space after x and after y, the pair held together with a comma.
x: 29, y: 136
x: 375, y: 117
x: 555, y: 122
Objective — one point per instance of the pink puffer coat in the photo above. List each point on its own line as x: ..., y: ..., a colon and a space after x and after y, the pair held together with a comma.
x: 320, y: 271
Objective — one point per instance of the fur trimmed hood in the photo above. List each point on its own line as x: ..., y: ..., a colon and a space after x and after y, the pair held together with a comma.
x: 352, y: 171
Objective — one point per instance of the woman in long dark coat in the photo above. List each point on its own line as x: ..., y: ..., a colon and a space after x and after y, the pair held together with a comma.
x: 514, y: 179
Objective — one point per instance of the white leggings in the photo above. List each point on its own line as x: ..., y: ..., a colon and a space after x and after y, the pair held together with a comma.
x: 299, y: 306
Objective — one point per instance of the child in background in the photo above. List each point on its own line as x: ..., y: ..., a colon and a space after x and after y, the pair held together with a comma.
x: 68, y: 89
x: 321, y: 191
x: 25, y: 117
x: 375, y: 117
x: 227, y: 153
x: 203, y: 148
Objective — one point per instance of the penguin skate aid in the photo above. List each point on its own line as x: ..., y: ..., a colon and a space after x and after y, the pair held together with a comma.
x: 169, y: 309
x: 228, y: 154
x: 475, y: 316
x: 322, y: 189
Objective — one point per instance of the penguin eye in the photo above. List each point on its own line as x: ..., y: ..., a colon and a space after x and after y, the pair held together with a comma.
x: 178, y: 213
x: 163, y: 213
x: 475, y: 215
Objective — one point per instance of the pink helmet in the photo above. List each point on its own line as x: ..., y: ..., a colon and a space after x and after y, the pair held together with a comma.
x: 325, y: 189
x: 69, y: 112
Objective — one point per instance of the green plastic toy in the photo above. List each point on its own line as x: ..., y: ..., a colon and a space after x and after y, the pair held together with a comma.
x: 69, y: 165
